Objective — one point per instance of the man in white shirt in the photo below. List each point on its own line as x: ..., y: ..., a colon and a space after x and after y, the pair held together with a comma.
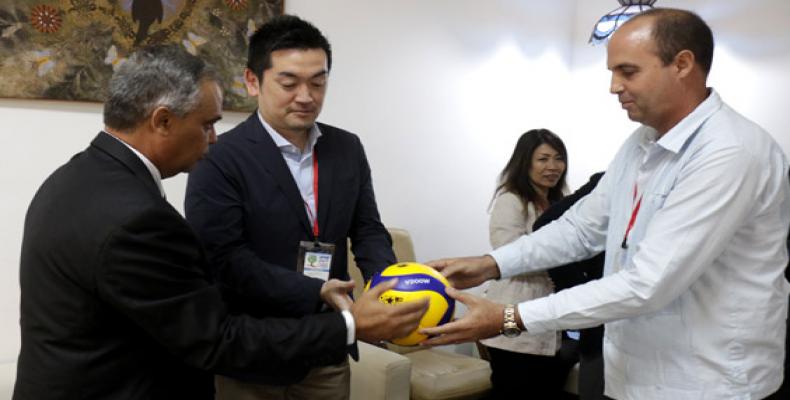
x: 693, y: 214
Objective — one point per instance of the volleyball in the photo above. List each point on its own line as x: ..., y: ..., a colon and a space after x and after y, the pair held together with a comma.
x: 415, y: 282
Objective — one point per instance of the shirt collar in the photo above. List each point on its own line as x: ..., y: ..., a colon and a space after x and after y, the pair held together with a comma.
x: 283, y: 144
x: 148, y: 164
x: 676, y: 137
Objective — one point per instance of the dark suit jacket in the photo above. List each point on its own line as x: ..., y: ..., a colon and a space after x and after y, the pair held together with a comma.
x: 579, y: 272
x: 247, y: 210
x: 116, y: 299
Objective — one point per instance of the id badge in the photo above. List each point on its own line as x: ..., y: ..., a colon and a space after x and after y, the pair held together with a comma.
x: 315, y: 259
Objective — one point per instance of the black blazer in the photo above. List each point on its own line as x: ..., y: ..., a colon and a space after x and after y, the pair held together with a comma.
x: 578, y: 272
x: 116, y: 299
x: 247, y: 210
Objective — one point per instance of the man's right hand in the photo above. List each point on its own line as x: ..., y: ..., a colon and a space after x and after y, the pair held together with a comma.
x: 376, y: 321
x: 467, y: 272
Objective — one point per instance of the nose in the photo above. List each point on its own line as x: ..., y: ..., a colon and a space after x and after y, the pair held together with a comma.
x: 556, y: 166
x: 303, y: 94
x: 212, y: 136
x: 615, y: 86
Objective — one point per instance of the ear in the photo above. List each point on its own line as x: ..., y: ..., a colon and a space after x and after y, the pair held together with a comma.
x: 685, y: 63
x: 252, y: 83
x: 161, y: 120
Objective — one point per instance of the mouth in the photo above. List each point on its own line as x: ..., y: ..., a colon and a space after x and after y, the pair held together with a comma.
x: 304, y: 113
x: 552, y: 177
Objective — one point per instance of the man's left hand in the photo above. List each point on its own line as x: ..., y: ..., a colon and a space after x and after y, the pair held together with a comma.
x: 483, y: 319
x: 336, y: 293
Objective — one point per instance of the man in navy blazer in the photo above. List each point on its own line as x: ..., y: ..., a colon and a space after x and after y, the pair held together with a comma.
x: 279, y: 179
x: 117, y: 300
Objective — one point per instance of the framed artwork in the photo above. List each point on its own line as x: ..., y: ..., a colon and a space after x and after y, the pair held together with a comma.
x: 68, y: 49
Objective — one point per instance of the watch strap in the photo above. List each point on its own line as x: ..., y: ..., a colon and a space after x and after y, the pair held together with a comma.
x: 510, y: 327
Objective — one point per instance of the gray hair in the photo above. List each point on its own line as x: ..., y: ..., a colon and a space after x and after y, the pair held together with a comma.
x: 152, y: 77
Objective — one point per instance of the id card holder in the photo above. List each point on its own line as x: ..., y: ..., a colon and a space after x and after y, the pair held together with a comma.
x: 315, y: 259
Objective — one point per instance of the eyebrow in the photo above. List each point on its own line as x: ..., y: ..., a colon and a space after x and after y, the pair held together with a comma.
x: 623, y: 66
x: 287, y: 74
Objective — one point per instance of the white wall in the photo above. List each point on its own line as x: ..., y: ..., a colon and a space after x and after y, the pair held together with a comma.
x: 750, y: 71
x: 439, y: 91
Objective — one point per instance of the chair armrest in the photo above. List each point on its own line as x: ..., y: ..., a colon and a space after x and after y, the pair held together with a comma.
x: 380, y: 374
x: 439, y: 374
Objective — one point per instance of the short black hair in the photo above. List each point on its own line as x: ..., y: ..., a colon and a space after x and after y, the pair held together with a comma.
x: 284, y: 32
x: 675, y: 30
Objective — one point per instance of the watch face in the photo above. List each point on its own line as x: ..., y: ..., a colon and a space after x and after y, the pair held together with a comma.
x: 511, y: 332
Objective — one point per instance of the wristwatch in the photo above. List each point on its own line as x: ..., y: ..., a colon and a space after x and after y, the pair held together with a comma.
x: 510, y: 328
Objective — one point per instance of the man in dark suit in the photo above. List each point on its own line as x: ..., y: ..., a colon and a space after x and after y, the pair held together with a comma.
x: 589, y: 349
x: 117, y: 301
x: 280, y: 187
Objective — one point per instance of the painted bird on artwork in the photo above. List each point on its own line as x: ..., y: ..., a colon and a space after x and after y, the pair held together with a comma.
x: 145, y: 13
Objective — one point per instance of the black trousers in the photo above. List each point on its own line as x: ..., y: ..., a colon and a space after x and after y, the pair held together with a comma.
x: 536, y: 377
x: 591, y: 383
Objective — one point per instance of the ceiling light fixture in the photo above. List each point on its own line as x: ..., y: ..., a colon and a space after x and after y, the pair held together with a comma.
x: 611, y: 21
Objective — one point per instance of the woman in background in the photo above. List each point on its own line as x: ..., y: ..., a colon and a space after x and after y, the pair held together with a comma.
x: 532, y: 180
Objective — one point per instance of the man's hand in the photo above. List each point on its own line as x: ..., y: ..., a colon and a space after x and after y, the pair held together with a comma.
x: 376, y: 321
x: 483, y: 320
x: 336, y: 293
x: 467, y: 272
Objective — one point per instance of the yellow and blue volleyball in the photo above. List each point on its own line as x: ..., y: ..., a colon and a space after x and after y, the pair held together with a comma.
x: 415, y: 282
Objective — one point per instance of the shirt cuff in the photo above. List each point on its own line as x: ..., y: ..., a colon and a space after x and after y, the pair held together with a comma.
x: 350, y: 327
x: 533, y: 312
x: 507, y: 258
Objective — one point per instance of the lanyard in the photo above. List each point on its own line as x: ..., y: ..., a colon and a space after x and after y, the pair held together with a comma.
x: 315, y: 197
x: 315, y: 193
x: 634, y: 213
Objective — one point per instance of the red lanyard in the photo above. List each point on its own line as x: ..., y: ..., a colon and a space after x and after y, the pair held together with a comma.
x: 634, y: 213
x: 315, y: 198
x: 315, y: 195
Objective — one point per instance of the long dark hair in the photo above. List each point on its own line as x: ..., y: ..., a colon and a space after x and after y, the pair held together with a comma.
x: 515, y: 177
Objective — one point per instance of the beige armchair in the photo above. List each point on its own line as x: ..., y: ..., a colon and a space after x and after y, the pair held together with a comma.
x: 380, y: 374
x: 435, y: 374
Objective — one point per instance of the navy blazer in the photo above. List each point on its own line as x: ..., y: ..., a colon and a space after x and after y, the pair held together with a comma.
x: 246, y: 208
x: 117, y: 301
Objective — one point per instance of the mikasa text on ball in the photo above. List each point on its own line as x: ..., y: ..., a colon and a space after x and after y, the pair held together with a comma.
x: 415, y: 282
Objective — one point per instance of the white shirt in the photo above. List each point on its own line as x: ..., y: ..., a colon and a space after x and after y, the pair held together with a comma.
x: 148, y: 164
x: 300, y: 163
x: 696, y: 304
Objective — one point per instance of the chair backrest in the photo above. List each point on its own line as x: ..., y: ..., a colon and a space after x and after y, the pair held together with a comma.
x: 402, y: 246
